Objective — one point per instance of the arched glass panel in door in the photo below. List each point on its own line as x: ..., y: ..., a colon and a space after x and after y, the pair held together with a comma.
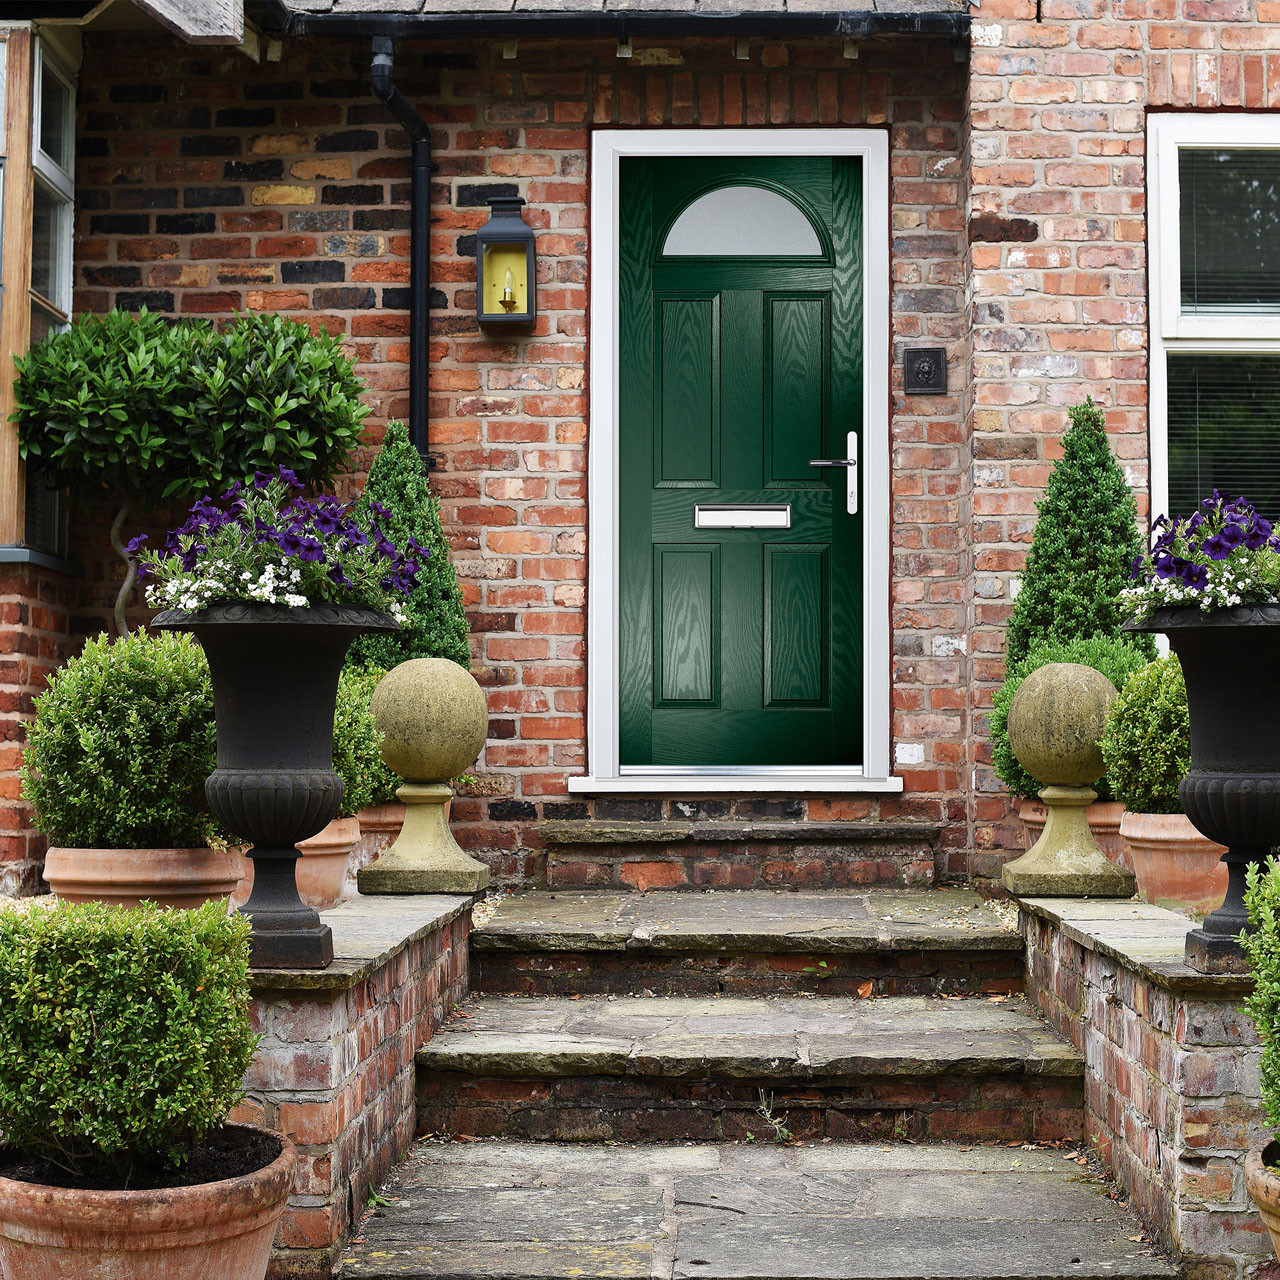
x: 742, y: 221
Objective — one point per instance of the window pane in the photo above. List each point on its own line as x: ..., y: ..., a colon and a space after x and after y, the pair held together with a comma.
x: 44, y: 322
x: 1224, y: 430
x: 55, y: 119
x: 1230, y: 230
x: 46, y: 244
x: 741, y: 221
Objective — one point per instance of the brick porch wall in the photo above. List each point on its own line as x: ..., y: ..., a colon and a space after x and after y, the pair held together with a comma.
x: 209, y: 183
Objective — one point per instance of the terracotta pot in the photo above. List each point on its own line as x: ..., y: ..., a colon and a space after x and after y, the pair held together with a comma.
x: 1263, y: 1187
x: 1104, y: 821
x: 221, y: 1229
x: 171, y: 877
x: 321, y: 871
x: 1176, y: 866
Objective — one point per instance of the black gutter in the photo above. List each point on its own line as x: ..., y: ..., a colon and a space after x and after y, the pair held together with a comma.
x: 419, y: 234
x: 613, y: 23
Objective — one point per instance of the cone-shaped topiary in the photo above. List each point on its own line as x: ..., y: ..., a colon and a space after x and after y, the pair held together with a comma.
x: 437, y: 625
x: 1082, y: 552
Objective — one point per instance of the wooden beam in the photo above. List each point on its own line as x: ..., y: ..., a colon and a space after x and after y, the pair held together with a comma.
x: 15, y: 273
x: 199, y: 21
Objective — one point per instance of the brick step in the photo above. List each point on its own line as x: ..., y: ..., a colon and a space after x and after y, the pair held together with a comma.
x: 885, y: 942
x: 707, y: 854
x: 835, y: 1211
x: 641, y: 1068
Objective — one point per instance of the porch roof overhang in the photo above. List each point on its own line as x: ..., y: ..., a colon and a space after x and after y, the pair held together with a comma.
x: 947, y: 19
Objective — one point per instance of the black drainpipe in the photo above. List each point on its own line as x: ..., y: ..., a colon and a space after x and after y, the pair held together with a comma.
x: 419, y: 235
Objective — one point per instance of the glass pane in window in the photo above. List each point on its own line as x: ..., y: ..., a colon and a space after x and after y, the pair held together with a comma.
x: 56, y: 137
x: 46, y: 244
x: 1224, y: 430
x: 1230, y: 230
x: 742, y: 221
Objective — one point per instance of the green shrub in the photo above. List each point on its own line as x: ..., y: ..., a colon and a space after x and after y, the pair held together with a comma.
x: 356, y: 755
x: 1147, y: 745
x: 143, y: 410
x: 121, y: 745
x: 124, y: 1032
x: 437, y: 625
x: 1262, y: 951
x: 1116, y: 659
x: 1086, y: 539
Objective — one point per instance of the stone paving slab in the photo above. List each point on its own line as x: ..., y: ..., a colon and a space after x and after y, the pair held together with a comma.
x: 502, y: 1211
x: 783, y: 1038
x: 749, y: 920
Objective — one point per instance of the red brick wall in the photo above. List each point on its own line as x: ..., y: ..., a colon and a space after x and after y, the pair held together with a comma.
x: 210, y: 183
x: 1059, y: 93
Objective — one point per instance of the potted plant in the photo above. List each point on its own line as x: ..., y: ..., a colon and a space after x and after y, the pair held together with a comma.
x: 147, y: 410
x: 124, y: 1038
x: 397, y: 493
x: 275, y: 586
x: 114, y: 767
x: 324, y: 869
x: 1262, y: 951
x: 1147, y: 749
x: 1085, y: 539
x: 1211, y: 582
x: 1116, y: 659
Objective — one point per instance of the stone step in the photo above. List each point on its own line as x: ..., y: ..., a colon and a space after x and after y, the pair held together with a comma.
x: 747, y: 942
x: 737, y: 854
x: 502, y: 1211
x: 633, y: 1068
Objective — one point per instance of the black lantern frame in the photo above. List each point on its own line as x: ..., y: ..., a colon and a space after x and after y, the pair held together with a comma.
x: 505, y: 248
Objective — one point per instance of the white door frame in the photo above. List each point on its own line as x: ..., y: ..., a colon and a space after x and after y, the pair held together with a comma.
x: 609, y: 146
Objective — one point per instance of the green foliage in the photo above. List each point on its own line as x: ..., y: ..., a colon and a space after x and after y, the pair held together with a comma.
x: 1114, y: 658
x: 121, y: 745
x: 356, y: 740
x: 1085, y: 541
x: 1262, y: 951
x: 437, y: 625
x: 1147, y: 745
x: 142, y: 408
x: 124, y: 1032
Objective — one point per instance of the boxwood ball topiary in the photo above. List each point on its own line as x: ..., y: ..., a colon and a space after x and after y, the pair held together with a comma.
x: 433, y: 719
x: 1057, y: 720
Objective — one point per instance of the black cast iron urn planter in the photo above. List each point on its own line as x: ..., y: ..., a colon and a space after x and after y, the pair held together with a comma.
x: 1231, y: 663
x: 275, y: 681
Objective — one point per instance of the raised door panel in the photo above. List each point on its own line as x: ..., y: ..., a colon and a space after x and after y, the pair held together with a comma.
x: 796, y: 346
x: 796, y: 609
x: 686, y: 625
x: 687, y: 363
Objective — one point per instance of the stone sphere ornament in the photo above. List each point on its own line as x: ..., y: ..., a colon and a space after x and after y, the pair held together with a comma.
x: 433, y: 720
x: 1056, y: 722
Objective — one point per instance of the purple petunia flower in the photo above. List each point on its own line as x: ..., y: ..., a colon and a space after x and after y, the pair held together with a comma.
x: 1195, y: 576
x: 1217, y: 547
x: 134, y: 545
x: 311, y: 551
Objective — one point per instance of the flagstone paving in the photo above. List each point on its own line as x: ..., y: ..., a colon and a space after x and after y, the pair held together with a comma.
x: 502, y: 1211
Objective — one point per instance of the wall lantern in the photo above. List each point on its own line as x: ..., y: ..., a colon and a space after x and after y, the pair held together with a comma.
x: 506, y: 284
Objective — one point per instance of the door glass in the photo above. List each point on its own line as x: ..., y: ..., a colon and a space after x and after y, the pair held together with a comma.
x: 742, y: 221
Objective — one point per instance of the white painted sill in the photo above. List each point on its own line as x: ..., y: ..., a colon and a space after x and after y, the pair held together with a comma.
x: 724, y: 783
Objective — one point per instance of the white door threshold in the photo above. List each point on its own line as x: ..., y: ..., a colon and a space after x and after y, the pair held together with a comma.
x: 724, y: 782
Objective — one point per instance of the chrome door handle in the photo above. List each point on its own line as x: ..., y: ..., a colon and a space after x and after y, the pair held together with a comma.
x: 850, y: 465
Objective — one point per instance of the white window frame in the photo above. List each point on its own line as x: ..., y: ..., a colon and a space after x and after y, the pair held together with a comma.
x: 1171, y: 331
x: 57, y: 181
x: 609, y: 147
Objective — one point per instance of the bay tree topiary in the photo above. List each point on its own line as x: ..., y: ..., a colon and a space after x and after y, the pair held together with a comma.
x: 122, y: 742
x: 1147, y: 745
x: 1261, y: 946
x: 1082, y: 551
x: 140, y: 410
x: 400, y: 498
x: 124, y: 1037
x: 1115, y: 658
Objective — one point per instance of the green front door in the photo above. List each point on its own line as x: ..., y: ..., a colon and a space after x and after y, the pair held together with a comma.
x: 740, y: 562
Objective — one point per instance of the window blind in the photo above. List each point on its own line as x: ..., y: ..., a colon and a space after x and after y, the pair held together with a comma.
x: 1229, y: 214
x: 1224, y: 430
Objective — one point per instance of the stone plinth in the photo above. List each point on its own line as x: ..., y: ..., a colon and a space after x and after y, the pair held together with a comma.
x: 335, y: 1070
x: 1172, y: 1088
